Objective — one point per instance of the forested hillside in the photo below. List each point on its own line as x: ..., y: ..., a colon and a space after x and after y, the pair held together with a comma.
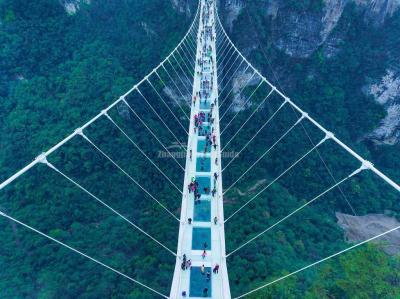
x: 332, y: 58
x: 61, y: 62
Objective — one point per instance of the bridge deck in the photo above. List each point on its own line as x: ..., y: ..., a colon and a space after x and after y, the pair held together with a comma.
x: 203, y: 233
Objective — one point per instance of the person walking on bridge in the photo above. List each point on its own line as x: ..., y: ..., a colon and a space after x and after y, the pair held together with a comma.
x: 216, y: 268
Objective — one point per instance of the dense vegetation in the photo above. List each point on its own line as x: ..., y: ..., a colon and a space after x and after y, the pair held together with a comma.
x: 57, y: 71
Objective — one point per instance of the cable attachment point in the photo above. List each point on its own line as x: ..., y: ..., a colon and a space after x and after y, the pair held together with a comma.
x: 125, y: 102
x: 329, y: 135
x: 121, y: 98
x: 104, y: 112
x: 79, y: 131
x: 304, y: 114
x: 42, y: 158
x: 366, y: 165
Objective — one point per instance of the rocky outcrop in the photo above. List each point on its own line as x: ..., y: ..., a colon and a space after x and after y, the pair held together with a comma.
x: 360, y: 228
x: 72, y: 6
x: 377, y: 11
x: 301, y: 33
x: 239, y: 83
x: 177, y: 99
x: 387, y: 93
x: 182, y: 6
x: 147, y: 29
x: 232, y: 10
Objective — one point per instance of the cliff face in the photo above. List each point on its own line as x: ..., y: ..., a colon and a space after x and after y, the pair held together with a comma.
x: 302, y: 32
x: 72, y: 6
x: 323, y: 28
x: 386, y: 91
x: 183, y: 6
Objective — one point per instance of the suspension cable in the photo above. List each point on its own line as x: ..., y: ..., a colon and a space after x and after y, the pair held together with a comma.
x: 305, y: 130
x: 138, y: 148
x: 187, y: 49
x: 225, y: 63
x: 43, y: 160
x: 166, y: 105
x: 82, y: 254
x: 315, y: 147
x: 231, y: 77
x: 241, y: 89
x: 188, y: 58
x: 184, y: 58
x: 180, y: 78
x: 255, y: 135
x: 228, y: 46
x: 100, y: 114
x: 173, y: 81
x: 160, y: 118
x: 258, y: 160
x: 251, y: 115
x: 222, y: 51
x: 244, y: 104
x: 320, y: 261
x: 298, y: 209
x: 223, y: 69
x: 186, y: 79
x: 276, y: 179
x: 152, y: 133
x: 227, y: 55
x: 179, y: 105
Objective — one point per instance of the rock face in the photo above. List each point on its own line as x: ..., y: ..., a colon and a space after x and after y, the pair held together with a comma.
x: 147, y: 29
x: 177, y: 99
x: 387, y: 93
x: 182, y: 6
x: 378, y: 10
x: 72, y: 6
x: 232, y: 9
x: 360, y: 228
x: 239, y: 82
x: 301, y: 33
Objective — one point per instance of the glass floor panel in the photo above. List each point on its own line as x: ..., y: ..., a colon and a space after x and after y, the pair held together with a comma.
x: 203, y: 164
x: 205, y: 104
x: 201, y: 235
x: 207, y: 119
x: 201, y: 145
x: 204, y: 182
x: 199, y: 283
x: 202, y: 211
x: 203, y: 130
